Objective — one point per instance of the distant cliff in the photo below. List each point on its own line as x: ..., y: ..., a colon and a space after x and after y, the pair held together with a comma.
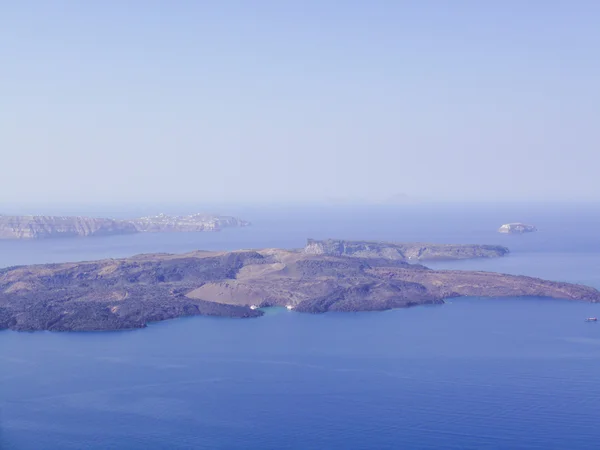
x: 402, y: 252
x: 195, y: 222
x: 40, y: 227
x: 517, y: 228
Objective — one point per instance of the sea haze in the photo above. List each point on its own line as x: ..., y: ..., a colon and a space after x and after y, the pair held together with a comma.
x: 474, y: 373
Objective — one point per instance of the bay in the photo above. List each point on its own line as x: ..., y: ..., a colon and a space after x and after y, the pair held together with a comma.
x: 473, y: 373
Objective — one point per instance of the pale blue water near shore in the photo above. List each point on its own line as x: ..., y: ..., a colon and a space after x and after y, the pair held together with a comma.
x: 475, y: 373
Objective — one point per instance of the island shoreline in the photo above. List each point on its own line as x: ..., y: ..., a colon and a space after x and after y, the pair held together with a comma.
x: 326, y: 276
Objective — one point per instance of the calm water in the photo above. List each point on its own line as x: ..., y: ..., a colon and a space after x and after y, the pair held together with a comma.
x: 475, y: 373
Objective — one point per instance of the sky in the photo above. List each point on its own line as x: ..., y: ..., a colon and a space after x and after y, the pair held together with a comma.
x: 299, y: 101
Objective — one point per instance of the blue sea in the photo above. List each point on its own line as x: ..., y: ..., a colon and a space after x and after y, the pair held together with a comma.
x: 512, y: 373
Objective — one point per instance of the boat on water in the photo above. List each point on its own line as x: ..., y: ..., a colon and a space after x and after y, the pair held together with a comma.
x: 591, y: 319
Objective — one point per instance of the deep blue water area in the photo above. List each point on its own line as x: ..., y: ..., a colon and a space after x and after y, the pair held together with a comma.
x: 471, y: 374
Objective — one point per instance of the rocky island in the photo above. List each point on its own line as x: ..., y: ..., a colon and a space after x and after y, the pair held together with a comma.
x: 516, y: 228
x: 39, y: 227
x: 402, y: 251
x: 125, y: 293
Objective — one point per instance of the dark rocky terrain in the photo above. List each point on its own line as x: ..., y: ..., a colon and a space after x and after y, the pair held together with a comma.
x: 131, y: 292
x: 39, y: 227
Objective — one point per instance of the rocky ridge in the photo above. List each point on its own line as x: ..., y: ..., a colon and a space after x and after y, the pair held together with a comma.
x: 402, y: 251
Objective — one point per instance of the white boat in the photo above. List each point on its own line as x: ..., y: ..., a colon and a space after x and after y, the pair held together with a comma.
x: 289, y: 307
x: 253, y: 307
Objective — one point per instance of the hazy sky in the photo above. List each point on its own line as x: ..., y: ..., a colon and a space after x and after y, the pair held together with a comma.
x: 298, y: 100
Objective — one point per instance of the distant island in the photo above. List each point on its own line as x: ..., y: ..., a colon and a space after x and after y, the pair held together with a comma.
x: 402, y: 251
x: 332, y: 275
x: 517, y: 228
x: 40, y: 227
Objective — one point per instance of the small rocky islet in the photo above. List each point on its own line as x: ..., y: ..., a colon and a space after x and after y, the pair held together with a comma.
x: 517, y: 228
x: 329, y: 275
